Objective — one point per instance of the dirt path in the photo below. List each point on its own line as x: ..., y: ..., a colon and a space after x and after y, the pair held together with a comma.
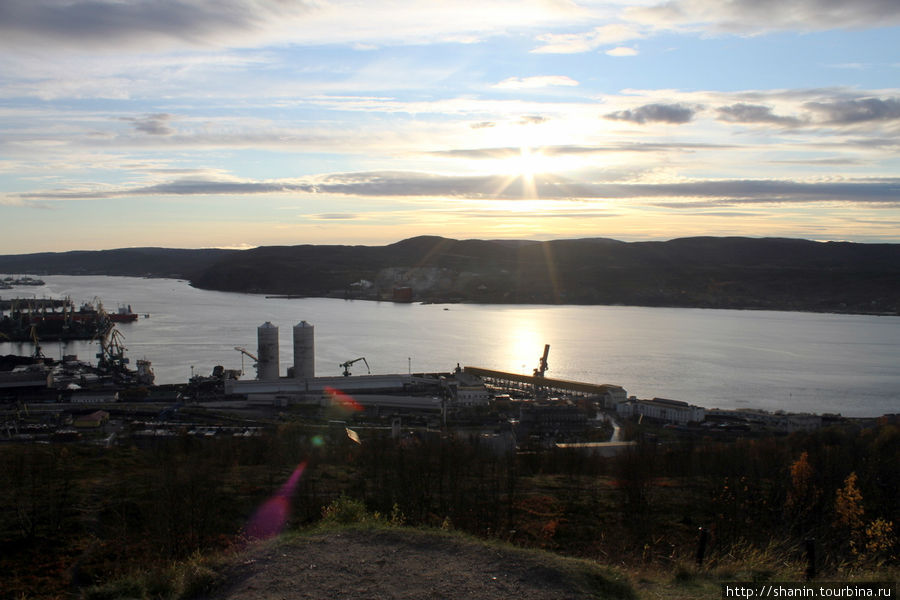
x: 408, y: 564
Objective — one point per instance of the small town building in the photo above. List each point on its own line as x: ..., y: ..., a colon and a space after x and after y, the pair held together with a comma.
x: 551, y: 419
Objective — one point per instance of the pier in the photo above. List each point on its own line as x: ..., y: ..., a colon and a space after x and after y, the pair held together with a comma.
x: 611, y: 394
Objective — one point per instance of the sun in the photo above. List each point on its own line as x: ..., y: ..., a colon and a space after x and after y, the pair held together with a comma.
x: 528, y: 163
x: 522, y: 170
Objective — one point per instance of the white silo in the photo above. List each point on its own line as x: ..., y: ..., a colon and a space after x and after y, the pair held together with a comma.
x: 304, y: 351
x: 267, y: 339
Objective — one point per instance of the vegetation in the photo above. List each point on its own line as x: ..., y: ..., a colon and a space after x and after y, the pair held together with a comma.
x: 76, y: 517
x: 710, y: 272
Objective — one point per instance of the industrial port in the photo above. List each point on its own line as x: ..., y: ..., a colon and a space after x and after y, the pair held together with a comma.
x: 108, y: 402
x: 52, y: 319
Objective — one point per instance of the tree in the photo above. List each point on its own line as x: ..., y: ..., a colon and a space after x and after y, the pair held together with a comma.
x: 849, y: 511
x: 803, y: 495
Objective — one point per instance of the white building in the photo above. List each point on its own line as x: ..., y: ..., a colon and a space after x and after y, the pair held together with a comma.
x: 661, y: 409
x: 466, y: 390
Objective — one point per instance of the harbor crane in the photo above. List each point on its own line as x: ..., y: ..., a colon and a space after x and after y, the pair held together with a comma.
x: 244, y: 351
x: 542, y: 367
x: 38, y: 355
x: 346, y: 365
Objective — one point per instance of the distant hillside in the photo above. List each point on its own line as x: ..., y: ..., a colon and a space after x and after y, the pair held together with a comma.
x: 136, y: 262
x: 771, y: 273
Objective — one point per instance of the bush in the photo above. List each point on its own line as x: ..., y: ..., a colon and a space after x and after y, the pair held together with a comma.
x: 345, y: 510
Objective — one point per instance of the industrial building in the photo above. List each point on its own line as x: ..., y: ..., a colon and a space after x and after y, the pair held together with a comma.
x: 607, y: 395
x: 464, y: 388
x: 662, y: 409
x: 267, y: 351
x: 395, y: 392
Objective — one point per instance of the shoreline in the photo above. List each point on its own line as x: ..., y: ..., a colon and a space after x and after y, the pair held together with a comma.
x: 443, y: 300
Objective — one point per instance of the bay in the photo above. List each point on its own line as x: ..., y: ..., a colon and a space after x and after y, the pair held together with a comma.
x: 797, y: 362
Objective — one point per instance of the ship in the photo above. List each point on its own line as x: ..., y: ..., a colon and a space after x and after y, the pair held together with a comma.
x: 89, y: 311
x: 24, y: 280
x: 58, y: 320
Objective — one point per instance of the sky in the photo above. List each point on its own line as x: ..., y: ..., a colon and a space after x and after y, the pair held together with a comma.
x: 236, y: 124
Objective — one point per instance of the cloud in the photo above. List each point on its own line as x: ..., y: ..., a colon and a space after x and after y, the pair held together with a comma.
x: 830, y: 162
x: 632, y: 147
x: 155, y: 124
x: 541, y: 81
x: 851, y: 112
x: 705, y: 193
x: 757, y: 16
x: 190, y: 187
x: 532, y: 120
x: 336, y: 216
x: 544, y: 213
x: 575, y: 43
x: 11, y: 200
x: 104, y: 23
x: 659, y: 113
x: 142, y: 25
x: 483, y: 125
x: 499, y: 153
x: 754, y: 113
x: 620, y: 51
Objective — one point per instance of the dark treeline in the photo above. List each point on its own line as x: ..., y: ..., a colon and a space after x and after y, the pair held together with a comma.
x: 731, y: 272
x: 73, y: 515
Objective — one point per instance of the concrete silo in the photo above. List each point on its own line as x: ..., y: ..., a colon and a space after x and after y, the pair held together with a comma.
x: 304, y: 351
x: 267, y: 339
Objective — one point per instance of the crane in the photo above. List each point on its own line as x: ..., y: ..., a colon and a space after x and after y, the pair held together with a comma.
x: 542, y: 367
x: 244, y: 351
x: 347, y: 364
x: 38, y: 355
x: 111, y: 358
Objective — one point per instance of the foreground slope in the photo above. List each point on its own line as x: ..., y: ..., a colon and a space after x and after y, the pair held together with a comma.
x: 410, y: 564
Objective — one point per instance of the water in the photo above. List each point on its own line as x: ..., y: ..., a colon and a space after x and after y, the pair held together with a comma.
x: 798, y: 362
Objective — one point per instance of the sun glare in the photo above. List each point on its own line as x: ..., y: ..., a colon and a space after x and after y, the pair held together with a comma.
x: 521, y: 170
x: 528, y: 163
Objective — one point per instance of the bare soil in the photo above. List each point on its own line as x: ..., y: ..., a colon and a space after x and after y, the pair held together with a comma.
x: 409, y: 564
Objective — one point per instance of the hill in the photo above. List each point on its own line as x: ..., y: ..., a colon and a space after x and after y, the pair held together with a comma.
x: 414, y: 564
x: 131, y: 262
x: 706, y: 272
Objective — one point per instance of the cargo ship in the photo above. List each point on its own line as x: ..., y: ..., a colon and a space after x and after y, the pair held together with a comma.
x: 57, y: 320
x: 89, y: 311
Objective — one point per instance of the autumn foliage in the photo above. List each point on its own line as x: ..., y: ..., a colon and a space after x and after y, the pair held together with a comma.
x: 72, y: 516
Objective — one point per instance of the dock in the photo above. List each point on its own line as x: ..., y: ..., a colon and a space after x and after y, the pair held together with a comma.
x: 611, y: 394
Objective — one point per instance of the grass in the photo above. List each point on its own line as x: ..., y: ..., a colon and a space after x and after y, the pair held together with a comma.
x: 689, y: 582
x: 192, y: 578
x: 201, y: 575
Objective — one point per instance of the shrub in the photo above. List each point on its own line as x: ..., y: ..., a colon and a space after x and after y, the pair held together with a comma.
x: 345, y: 510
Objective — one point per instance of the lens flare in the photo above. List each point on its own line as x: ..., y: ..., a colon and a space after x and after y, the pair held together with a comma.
x: 343, y: 400
x: 271, y: 517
